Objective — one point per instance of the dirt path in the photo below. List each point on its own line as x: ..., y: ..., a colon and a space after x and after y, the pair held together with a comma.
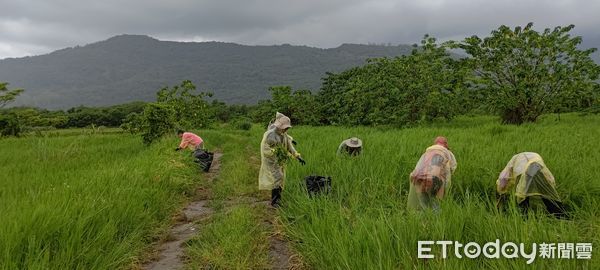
x: 279, y: 253
x: 171, y: 252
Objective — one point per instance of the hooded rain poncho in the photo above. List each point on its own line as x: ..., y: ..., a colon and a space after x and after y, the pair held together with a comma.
x: 528, y: 174
x: 272, y: 174
x: 431, y: 178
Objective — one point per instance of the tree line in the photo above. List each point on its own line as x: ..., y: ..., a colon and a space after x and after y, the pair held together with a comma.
x: 516, y: 73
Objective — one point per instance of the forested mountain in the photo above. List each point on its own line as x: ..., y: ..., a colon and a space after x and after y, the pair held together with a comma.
x: 132, y: 67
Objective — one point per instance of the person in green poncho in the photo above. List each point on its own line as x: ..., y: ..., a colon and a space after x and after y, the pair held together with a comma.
x: 532, y: 184
x: 431, y: 178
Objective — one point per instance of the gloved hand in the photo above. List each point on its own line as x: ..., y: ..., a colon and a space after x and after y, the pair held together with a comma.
x: 294, y: 142
x: 177, y: 149
x: 301, y: 160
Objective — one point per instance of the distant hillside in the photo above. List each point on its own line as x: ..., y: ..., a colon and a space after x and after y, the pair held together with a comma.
x: 132, y: 67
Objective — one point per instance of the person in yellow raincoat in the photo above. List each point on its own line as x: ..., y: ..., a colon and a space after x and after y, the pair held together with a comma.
x: 272, y: 171
x: 431, y: 178
x: 532, y: 184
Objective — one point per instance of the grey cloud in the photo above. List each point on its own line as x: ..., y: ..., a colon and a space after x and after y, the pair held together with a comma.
x: 53, y: 24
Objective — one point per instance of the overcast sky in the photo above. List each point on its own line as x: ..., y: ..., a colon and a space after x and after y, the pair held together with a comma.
x: 32, y: 27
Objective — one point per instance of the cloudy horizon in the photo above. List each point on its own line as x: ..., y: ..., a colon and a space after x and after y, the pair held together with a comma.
x: 30, y: 27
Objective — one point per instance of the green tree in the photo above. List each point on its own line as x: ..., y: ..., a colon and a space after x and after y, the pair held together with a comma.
x: 8, y: 96
x: 156, y: 121
x: 132, y: 123
x: 9, y: 125
x: 85, y: 116
x: 31, y: 117
x: 402, y: 91
x: 9, y: 122
x: 300, y: 106
x: 191, y: 110
x: 305, y: 108
x: 178, y: 107
x: 524, y: 73
x: 263, y: 112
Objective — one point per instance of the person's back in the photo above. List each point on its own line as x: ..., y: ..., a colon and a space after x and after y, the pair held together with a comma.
x: 516, y: 168
x: 431, y: 177
x: 531, y: 182
x: 189, y: 140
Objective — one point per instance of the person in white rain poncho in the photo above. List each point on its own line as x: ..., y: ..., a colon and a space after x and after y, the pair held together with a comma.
x: 527, y: 177
x: 430, y: 180
x: 276, y: 146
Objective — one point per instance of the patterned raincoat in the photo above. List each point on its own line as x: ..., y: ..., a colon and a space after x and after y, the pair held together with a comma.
x: 431, y: 178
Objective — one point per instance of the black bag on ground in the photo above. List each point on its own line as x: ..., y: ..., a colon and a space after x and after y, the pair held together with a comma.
x: 203, y: 158
x: 316, y: 184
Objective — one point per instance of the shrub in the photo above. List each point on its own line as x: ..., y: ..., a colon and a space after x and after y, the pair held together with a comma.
x: 242, y: 123
x: 157, y: 120
x: 9, y: 125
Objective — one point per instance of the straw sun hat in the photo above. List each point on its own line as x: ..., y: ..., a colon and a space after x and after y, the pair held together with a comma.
x: 353, y: 142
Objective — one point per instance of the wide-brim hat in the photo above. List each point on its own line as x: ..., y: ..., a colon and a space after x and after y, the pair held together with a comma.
x: 283, y: 122
x: 353, y: 142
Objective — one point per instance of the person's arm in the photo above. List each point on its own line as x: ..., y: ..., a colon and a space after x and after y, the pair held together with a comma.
x: 504, y: 177
x: 185, y: 141
x: 290, y: 146
x: 292, y: 150
x: 452, y: 161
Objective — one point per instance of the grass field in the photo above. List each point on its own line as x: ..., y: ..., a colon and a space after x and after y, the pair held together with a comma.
x: 98, y: 201
x: 363, y: 224
x: 85, y: 201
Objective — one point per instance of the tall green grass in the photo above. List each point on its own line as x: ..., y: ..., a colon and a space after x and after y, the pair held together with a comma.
x: 97, y: 201
x: 234, y: 238
x: 363, y: 224
x: 86, y: 201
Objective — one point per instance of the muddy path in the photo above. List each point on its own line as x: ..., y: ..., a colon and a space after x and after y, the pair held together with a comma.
x: 279, y: 252
x: 171, y: 252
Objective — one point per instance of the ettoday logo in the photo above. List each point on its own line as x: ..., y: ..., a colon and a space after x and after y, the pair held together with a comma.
x: 509, y: 250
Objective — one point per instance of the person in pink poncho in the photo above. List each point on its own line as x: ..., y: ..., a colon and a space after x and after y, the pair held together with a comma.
x: 189, y: 140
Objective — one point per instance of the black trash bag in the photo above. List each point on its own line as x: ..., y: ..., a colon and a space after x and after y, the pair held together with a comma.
x: 203, y: 158
x: 316, y: 184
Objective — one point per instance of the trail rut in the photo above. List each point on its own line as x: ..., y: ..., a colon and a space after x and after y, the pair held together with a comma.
x: 171, y: 252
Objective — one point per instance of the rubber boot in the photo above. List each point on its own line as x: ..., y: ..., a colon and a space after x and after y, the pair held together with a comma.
x: 275, y: 197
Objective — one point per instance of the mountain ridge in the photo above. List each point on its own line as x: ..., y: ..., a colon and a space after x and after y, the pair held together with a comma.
x: 128, y: 68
